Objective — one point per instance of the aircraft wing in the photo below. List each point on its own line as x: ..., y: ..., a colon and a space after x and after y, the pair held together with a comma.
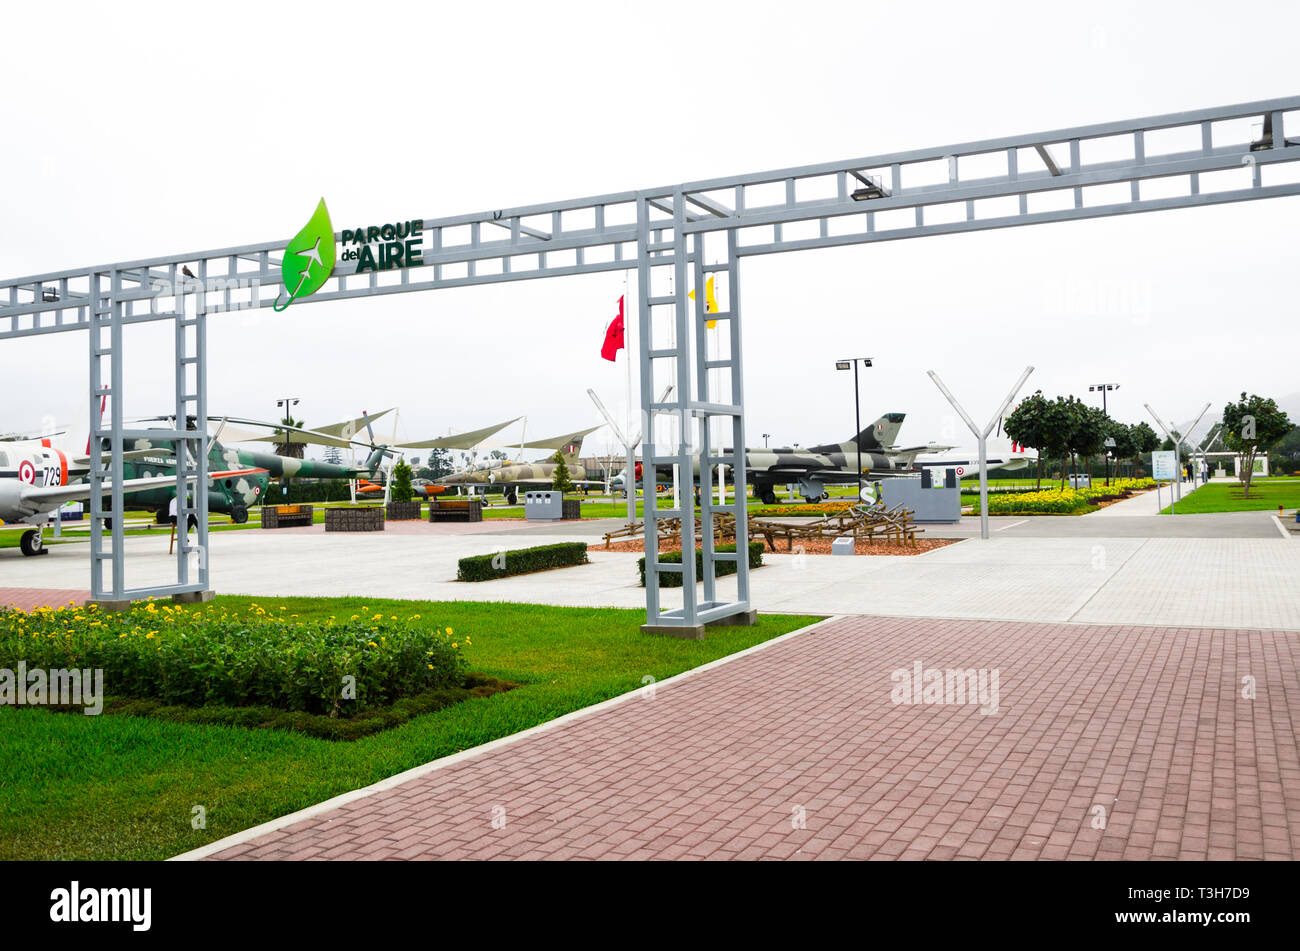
x: 821, y: 474
x: 459, y: 440
x: 929, y: 447
x: 51, y: 495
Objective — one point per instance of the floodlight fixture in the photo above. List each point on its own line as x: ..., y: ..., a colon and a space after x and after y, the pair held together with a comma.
x: 871, y: 188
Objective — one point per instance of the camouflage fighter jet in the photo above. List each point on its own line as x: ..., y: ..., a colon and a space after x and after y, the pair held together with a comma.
x: 511, y: 477
x: 816, y: 467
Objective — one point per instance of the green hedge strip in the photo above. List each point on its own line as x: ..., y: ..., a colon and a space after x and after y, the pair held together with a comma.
x: 673, y: 579
x: 210, y: 656
x: 521, y: 561
x: 341, y: 728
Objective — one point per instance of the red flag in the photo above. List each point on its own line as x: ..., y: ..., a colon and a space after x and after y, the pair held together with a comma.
x: 614, y: 335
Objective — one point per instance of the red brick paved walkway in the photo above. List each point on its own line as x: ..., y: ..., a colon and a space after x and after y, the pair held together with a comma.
x: 28, y: 599
x: 1148, y: 723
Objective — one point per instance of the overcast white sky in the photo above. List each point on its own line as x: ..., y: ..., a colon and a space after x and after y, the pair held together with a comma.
x: 138, y: 130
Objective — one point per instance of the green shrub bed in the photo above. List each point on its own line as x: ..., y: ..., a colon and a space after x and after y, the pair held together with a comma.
x: 1058, y: 501
x: 211, y: 657
x: 365, y: 723
x: 795, y: 509
x: 521, y: 561
x: 672, y: 579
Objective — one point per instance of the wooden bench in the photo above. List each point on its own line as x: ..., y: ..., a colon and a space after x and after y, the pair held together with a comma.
x: 287, y: 516
x: 455, y: 510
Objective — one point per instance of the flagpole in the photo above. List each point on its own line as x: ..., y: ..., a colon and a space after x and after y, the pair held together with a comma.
x: 629, y: 476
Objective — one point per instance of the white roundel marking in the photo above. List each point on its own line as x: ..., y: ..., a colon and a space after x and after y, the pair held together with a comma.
x: 960, y: 470
x: 26, y: 472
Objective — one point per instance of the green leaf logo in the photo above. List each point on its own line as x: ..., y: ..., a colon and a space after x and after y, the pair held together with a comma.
x: 308, y: 258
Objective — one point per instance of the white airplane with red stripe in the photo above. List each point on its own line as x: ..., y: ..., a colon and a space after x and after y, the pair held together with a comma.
x: 1001, y: 454
x: 37, y: 477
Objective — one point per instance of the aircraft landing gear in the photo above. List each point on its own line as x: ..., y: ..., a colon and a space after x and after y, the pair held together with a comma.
x: 768, y: 495
x: 512, y: 497
x: 32, y: 543
x: 239, y: 515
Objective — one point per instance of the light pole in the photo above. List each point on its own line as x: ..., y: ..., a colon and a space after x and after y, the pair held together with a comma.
x: 1104, y: 388
x: 765, y: 435
x: 857, y: 411
x: 285, y: 421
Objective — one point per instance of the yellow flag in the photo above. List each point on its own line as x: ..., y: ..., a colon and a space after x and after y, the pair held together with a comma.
x: 710, y: 300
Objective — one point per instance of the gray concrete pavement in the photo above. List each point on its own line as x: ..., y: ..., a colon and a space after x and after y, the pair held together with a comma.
x: 1223, y: 581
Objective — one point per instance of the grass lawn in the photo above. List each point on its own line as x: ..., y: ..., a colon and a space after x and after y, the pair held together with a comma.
x: 1228, y: 497
x: 120, y: 787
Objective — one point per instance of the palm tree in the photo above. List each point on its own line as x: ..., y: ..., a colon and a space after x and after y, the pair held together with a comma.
x: 293, y: 450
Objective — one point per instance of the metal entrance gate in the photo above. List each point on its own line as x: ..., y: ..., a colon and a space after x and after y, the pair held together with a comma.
x: 1181, y: 160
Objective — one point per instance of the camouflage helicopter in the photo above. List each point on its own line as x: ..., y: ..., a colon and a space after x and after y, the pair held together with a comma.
x: 38, y: 475
x: 371, y: 481
x: 245, y: 473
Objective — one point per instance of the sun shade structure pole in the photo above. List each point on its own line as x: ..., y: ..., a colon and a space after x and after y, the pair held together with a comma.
x: 982, y: 437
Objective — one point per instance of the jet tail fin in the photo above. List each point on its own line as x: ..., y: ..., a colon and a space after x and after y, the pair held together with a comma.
x: 882, y: 433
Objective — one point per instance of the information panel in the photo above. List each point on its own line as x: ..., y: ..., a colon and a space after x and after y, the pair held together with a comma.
x: 1164, y: 466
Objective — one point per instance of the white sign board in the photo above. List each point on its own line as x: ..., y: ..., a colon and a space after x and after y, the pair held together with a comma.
x: 1164, y: 466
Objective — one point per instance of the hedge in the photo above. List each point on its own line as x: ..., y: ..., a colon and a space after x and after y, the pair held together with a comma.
x: 210, y: 656
x: 342, y: 728
x: 673, y: 579
x: 1056, y: 501
x: 809, y: 508
x: 521, y: 561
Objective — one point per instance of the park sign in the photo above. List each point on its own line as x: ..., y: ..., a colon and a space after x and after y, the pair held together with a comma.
x: 384, y: 247
x: 309, y: 257
x: 1164, y: 466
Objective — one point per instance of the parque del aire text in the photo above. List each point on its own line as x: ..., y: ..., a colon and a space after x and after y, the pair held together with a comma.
x: 383, y: 247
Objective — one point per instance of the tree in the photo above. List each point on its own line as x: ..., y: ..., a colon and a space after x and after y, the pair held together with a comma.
x: 1088, y: 430
x: 560, y: 480
x: 1027, y: 425
x: 1249, y: 426
x: 402, y: 491
x: 1058, y: 427
x: 1287, y: 451
x: 293, y: 450
x: 1145, y: 440
x: 438, y: 464
x: 1122, y: 437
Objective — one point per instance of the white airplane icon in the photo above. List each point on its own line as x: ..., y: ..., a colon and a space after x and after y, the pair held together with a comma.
x: 312, y: 255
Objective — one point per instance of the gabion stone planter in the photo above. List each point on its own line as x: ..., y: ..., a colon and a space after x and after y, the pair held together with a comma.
x: 402, y: 511
x: 286, y: 516
x: 455, y: 510
x: 572, y: 508
x: 369, y: 518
